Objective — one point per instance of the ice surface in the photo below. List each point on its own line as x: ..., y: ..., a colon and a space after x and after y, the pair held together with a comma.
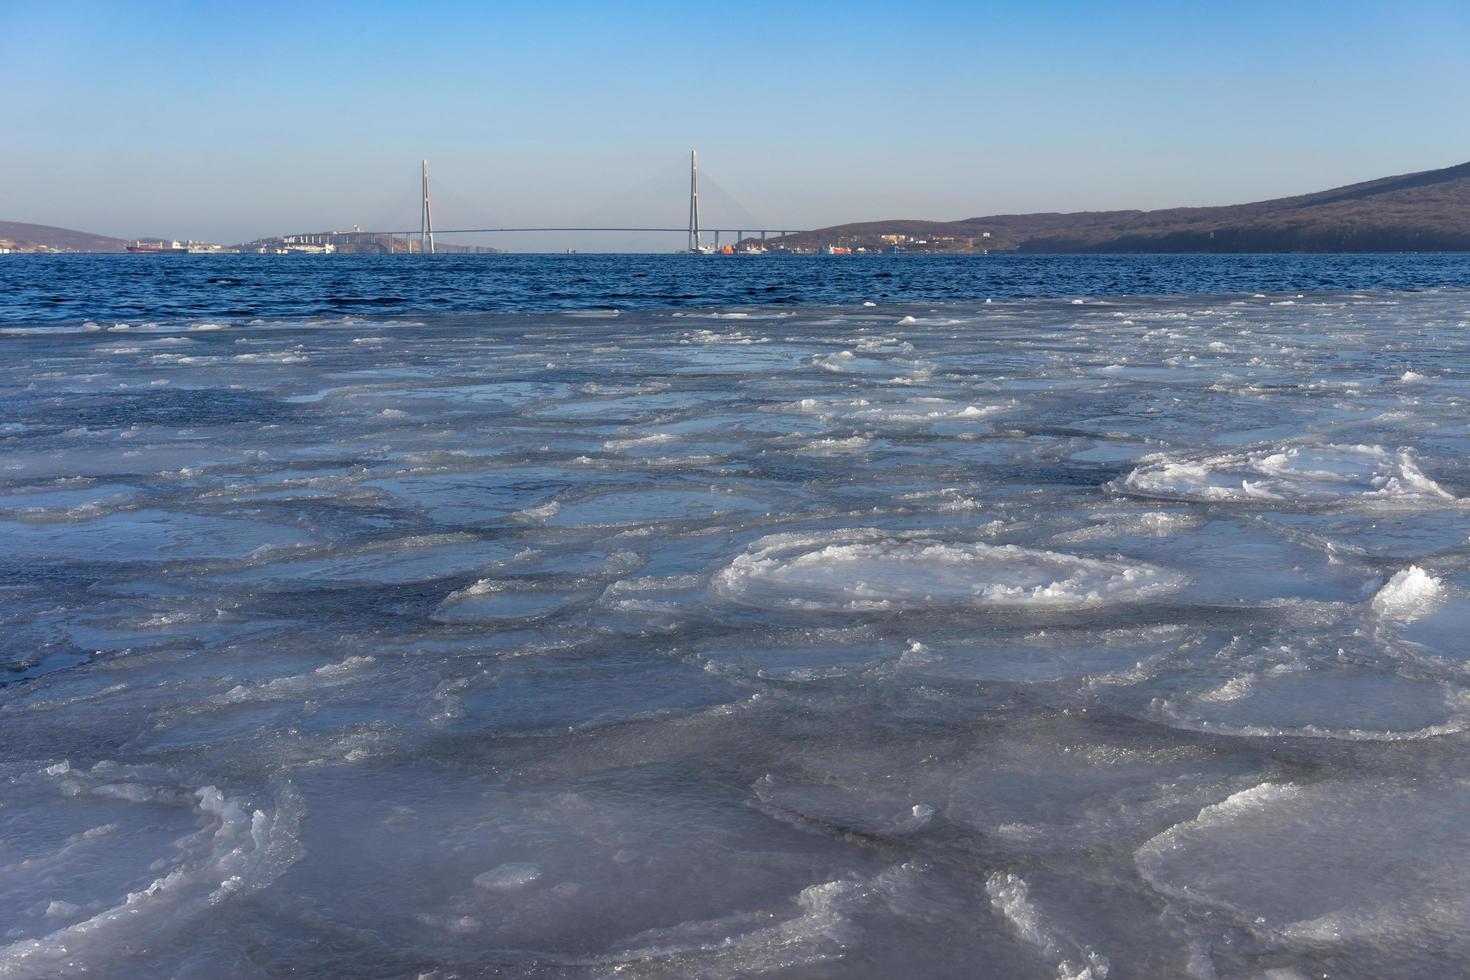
x: 226, y: 851
x: 1439, y: 631
x: 1349, y: 703
x: 1410, y: 594
x: 868, y: 569
x: 1372, y: 870
x: 488, y: 600
x: 1020, y: 639
x: 1314, y: 474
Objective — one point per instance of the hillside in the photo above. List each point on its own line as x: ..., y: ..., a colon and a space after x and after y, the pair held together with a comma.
x: 29, y: 238
x: 1419, y: 212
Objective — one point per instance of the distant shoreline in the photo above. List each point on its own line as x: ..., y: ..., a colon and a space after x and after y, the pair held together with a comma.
x: 1419, y: 213
x: 1425, y: 212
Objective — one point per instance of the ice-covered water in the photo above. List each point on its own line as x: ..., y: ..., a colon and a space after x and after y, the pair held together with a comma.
x: 1026, y: 638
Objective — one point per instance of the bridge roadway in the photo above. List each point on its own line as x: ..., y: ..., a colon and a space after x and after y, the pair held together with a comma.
x: 679, y: 231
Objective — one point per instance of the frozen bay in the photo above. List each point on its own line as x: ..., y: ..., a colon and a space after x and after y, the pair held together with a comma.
x: 1112, y: 637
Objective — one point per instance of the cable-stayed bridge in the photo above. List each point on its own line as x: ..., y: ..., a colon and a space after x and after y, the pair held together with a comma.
x: 422, y: 239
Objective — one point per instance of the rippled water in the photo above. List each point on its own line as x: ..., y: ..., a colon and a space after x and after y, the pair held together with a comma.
x: 72, y: 288
x: 1035, y: 638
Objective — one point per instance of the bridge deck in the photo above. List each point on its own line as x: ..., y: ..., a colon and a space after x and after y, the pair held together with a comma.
x: 675, y: 231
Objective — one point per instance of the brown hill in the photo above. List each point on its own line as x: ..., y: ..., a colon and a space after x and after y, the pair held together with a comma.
x: 1420, y: 212
x: 27, y: 237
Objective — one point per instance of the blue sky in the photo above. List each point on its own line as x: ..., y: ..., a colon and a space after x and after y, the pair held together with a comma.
x: 226, y: 121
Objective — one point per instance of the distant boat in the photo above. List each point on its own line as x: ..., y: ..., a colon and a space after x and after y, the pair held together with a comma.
x: 158, y: 248
x: 836, y: 250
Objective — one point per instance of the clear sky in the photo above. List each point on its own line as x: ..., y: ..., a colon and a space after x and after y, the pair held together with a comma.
x: 225, y: 121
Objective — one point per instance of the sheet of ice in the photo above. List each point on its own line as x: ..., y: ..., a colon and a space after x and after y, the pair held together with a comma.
x: 640, y: 506
x: 1247, y: 564
x: 1438, y: 630
x: 1089, y: 655
x: 1117, y: 639
x: 1370, y: 869
x: 491, y: 601
x: 1010, y: 896
x: 395, y: 561
x: 94, y: 895
x: 1349, y: 703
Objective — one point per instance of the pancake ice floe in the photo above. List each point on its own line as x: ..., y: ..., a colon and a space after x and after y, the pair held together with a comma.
x: 1350, y: 703
x: 867, y: 569
x: 1292, y: 475
x: 1375, y: 865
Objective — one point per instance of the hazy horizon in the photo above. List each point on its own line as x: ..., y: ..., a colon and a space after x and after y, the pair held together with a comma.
x: 227, y: 124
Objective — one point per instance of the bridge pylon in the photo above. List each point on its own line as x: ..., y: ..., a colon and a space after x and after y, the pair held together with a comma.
x: 694, y: 243
x: 426, y: 216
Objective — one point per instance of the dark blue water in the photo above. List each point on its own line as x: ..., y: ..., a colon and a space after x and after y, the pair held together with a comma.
x: 37, y: 289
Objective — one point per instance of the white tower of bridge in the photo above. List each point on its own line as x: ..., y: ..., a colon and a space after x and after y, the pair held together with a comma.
x: 426, y: 217
x: 694, y: 243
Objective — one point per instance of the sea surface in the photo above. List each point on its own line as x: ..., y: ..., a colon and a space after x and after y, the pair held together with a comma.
x: 39, y: 289
x: 675, y: 616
